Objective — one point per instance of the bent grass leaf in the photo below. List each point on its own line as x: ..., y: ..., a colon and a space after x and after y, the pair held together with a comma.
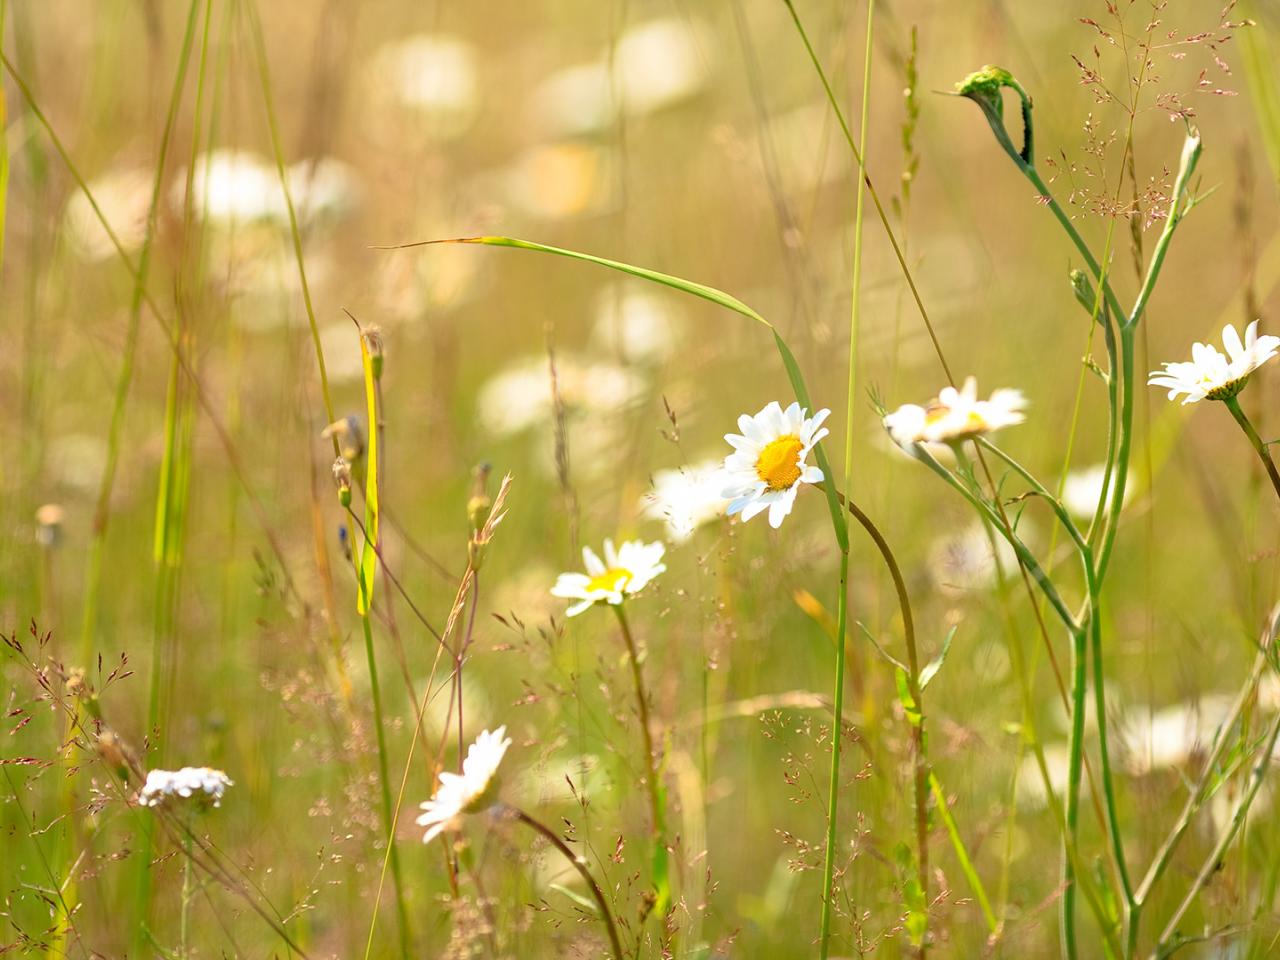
x: 696, y: 289
x: 933, y: 666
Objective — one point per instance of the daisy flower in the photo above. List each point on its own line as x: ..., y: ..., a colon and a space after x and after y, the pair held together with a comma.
x: 471, y: 791
x: 686, y: 498
x: 767, y: 467
x: 204, y: 783
x: 623, y: 572
x: 1211, y: 376
x: 955, y: 416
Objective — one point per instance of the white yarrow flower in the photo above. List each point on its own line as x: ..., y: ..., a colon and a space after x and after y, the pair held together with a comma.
x: 955, y: 415
x: 767, y: 467
x: 203, y: 783
x: 687, y: 498
x: 471, y: 791
x: 622, y: 573
x: 1211, y: 376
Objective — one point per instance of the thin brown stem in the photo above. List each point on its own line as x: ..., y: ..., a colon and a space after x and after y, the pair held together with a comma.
x: 597, y: 894
x: 913, y: 683
x: 642, y: 704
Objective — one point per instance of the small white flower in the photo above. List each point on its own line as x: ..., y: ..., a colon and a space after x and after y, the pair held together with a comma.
x: 687, y: 498
x: 1211, y: 376
x: 233, y: 186
x: 623, y: 572
x: 956, y: 415
x: 204, y: 783
x: 471, y: 791
x: 1083, y: 489
x: 767, y: 467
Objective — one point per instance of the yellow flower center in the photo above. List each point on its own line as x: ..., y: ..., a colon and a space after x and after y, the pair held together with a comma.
x: 612, y: 580
x: 779, y: 463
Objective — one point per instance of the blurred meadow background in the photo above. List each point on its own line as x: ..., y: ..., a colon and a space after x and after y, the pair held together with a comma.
x: 176, y: 581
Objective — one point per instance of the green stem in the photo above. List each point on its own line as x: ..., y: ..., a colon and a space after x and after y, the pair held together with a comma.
x: 1025, y: 557
x: 1195, y: 799
x: 1233, y: 404
x: 1213, y: 862
x: 966, y: 864
x: 388, y: 819
x: 921, y: 767
x: 842, y: 599
x: 833, y: 783
x: 657, y: 817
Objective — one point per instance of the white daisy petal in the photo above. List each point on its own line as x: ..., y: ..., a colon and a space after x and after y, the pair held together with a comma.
x: 1212, y: 376
x: 626, y: 570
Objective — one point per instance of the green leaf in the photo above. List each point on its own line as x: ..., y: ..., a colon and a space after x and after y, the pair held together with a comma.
x: 908, y: 702
x: 369, y: 553
x: 933, y: 666
x: 889, y: 658
x: 586, y: 903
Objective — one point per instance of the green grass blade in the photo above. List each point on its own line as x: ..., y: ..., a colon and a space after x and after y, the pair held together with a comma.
x: 369, y: 553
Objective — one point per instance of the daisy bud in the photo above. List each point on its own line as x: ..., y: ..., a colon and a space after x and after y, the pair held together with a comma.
x: 1083, y: 289
x: 342, y: 477
x: 372, y: 337
x: 984, y: 87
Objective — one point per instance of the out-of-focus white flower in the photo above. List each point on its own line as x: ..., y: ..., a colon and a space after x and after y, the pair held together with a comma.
x: 657, y: 64
x: 964, y: 561
x: 624, y: 572
x: 1031, y: 792
x: 1083, y: 489
x: 434, y: 75
x: 634, y: 324
x: 233, y: 186
x: 687, y: 497
x: 124, y: 197
x: 1170, y: 737
x: 556, y: 181
x: 955, y: 415
x: 322, y: 189
x: 472, y: 791
x: 205, y: 784
x: 1211, y: 376
x: 767, y: 467
x: 521, y: 396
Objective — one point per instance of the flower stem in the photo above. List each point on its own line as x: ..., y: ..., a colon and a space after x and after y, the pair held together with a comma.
x: 1233, y: 404
x: 656, y: 815
x: 388, y: 820
x: 597, y: 894
x: 837, y: 732
x: 921, y: 772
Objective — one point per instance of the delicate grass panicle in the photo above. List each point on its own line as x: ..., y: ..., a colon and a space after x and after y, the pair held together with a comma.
x: 533, y: 606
